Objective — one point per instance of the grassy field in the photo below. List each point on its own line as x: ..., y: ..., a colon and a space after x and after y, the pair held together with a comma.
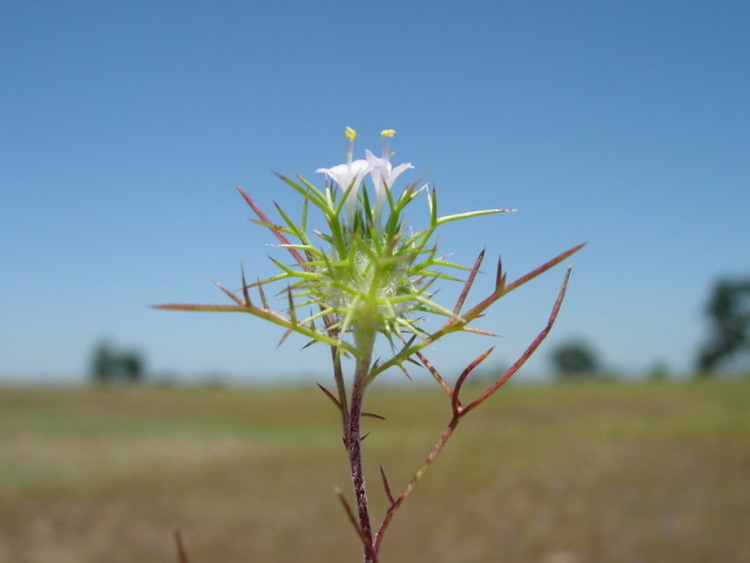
x: 567, y: 473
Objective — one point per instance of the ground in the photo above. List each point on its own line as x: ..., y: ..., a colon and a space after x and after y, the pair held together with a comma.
x: 566, y: 473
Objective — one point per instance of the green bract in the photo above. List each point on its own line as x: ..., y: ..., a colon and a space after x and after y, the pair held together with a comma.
x: 371, y: 273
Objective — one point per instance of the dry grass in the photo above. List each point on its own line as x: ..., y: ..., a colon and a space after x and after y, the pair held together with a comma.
x: 558, y: 474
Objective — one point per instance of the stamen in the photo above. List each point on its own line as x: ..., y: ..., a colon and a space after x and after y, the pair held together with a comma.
x: 387, y: 135
x: 350, y: 134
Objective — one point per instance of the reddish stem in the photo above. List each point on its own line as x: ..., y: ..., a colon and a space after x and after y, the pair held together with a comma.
x: 353, y: 441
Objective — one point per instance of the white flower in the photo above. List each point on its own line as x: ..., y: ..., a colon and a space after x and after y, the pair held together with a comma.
x: 348, y: 175
x: 382, y: 172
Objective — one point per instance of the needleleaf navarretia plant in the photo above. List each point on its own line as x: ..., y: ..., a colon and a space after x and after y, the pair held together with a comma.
x: 371, y: 274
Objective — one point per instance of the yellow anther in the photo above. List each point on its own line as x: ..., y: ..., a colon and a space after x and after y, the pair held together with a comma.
x: 350, y: 133
x: 388, y: 133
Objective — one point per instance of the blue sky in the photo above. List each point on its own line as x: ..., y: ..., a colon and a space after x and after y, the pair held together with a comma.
x: 125, y: 126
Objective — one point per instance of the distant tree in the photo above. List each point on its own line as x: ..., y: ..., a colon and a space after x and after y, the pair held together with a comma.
x: 102, y: 362
x: 575, y: 359
x: 110, y: 366
x: 728, y: 312
x: 131, y: 366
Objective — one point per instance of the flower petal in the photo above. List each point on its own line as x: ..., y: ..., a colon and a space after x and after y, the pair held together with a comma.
x: 396, y: 172
x: 345, y: 175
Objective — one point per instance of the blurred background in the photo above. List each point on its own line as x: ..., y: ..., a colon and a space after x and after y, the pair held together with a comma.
x: 126, y: 126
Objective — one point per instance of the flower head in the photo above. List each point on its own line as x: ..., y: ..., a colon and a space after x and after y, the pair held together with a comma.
x: 368, y: 277
x: 349, y: 175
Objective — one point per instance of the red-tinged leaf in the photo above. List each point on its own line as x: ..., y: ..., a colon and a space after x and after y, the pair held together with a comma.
x: 373, y: 415
x: 231, y: 294
x: 267, y: 314
x: 543, y: 268
x: 499, y: 277
x: 245, y: 292
x: 284, y: 336
x: 262, y: 295
x: 386, y: 486
x: 263, y: 217
x: 455, y: 404
x: 350, y: 516
x: 468, y: 284
x: 480, y: 330
x: 435, y: 374
x: 330, y: 396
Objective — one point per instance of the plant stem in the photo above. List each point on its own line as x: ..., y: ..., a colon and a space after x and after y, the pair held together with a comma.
x: 341, y: 389
x: 354, y: 447
x: 365, y: 341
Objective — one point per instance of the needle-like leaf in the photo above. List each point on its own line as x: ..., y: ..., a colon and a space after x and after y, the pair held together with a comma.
x: 455, y: 404
x: 230, y: 293
x: 330, y: 396
x: 386, y: 486
x: 468, y: 284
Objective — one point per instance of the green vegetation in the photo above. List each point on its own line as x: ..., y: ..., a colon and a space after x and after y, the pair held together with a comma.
x: 578, y: 472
